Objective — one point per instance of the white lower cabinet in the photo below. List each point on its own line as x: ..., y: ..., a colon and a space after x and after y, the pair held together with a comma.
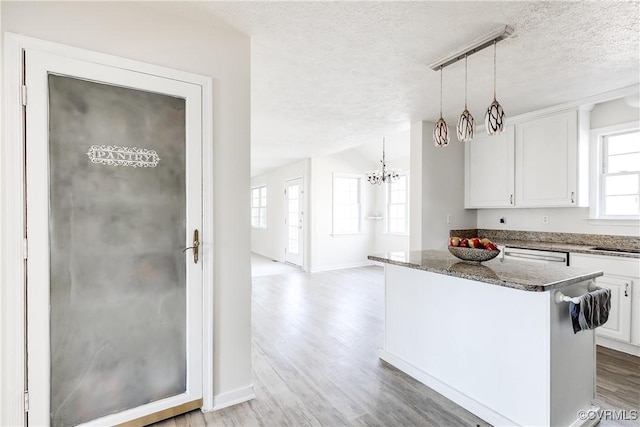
x: 622, y: 277
x: 619, y: 324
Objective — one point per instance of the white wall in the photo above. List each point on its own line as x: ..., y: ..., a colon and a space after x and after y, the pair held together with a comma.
x: 324, y: 251
x: 415, y: 185
x: 442, y: 188
x: 330, y: 252
x: 568, y: 220
x: 270, y: 242
x: 612, y: 113
x: 383, y: 241
x: 139, y: 31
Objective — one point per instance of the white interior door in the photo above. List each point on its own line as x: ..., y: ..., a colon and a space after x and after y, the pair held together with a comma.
x: 294, y: 238
x: 113, y: 172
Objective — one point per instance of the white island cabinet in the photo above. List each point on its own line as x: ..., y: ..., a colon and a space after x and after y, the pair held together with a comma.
x: 490, y: 337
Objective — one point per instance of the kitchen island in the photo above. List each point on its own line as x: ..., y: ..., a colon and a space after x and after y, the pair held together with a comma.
x: 490, y: 336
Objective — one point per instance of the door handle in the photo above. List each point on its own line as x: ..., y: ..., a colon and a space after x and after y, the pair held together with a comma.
x: 196, y: 244
x: 626, y: 289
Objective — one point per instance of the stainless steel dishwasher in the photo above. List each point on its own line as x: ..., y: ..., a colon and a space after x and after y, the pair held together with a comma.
x: 537, y: 256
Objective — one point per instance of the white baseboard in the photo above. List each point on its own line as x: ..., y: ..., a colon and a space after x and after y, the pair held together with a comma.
x: 230, y: 398
x: 589, y: 417
x: 624, y: 347
x: 341, y: 266
x: 471, y: 405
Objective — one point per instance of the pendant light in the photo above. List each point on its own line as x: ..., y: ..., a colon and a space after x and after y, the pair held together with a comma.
x: 465, y: 128
x: 441, y: 130
x: 494, y: 117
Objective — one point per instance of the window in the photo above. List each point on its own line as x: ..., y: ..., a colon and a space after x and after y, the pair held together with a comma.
x: 398, y: 206
x: 619, y: 177
x: 259, y: 207
x: 346, y: 204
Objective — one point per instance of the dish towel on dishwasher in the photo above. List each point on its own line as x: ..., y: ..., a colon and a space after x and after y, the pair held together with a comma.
x: 592, y: 310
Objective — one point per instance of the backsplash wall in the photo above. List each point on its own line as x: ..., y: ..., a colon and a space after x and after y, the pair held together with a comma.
x: 601, y: 240
x: 560, y: 220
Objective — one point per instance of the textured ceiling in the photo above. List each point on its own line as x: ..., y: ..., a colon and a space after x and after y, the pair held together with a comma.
x: 327, y: 76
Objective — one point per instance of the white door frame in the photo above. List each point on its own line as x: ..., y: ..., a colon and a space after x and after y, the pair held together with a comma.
x: 303, y: 208
x: 12, y: 221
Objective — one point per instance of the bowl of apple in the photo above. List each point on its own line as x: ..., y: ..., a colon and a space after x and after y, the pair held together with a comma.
x: 473, y: 250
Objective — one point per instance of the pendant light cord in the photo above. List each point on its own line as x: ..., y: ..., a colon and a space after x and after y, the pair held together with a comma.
x: 440, y: 92
x: 465, y: 81
x: 494, y: 69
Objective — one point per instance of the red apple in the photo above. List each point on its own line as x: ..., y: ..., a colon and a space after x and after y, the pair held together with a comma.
x: 464, y: 243
x: 490, y: 246
x: 485, y: 241
x: 454, y: 241
x: 475, y: 243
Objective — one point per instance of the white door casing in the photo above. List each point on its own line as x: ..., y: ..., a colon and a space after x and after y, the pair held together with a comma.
x: 14, y: 249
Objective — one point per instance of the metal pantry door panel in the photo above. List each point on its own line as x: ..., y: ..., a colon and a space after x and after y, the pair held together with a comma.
x: 113, y: 197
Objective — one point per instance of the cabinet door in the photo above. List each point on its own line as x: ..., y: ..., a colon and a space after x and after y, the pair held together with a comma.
x: 489, y: 170
x: 616, y: 271
x: 619, y: 324
x: 546, y: 161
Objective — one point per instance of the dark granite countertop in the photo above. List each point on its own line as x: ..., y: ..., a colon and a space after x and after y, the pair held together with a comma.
x: 594, y: 244
x: 567, y: 247
x: 509, y: 273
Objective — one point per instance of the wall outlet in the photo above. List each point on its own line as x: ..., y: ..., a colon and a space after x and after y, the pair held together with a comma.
x: 545, y: 219
x: 503, y: 220
x: 449, y: 219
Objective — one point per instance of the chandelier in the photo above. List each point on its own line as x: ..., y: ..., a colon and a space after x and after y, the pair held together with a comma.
x: 378, y: 177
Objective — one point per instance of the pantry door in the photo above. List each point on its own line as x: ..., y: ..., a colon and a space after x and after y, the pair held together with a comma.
x: 113, y: 176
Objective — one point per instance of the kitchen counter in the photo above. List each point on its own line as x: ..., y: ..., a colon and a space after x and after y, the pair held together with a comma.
x: 566, y: 247
x: 508, y: 273
x: 472, y: 333
x: 617, y: 246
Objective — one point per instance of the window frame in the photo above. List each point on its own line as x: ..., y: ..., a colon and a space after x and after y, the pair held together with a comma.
x: 405, y: 204
x: 599, y: 166
x: 262, y: 209
x: 334, y: 231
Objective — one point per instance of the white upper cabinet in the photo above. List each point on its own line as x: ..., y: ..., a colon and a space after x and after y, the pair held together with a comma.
x: 489, y: 170
x: 547, y: 161
x: 538, y: 161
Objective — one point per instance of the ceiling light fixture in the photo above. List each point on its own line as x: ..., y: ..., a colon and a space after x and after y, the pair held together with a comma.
x: 475, y: 46
x: 494, y: 117
x: 379, y: 177
x: 466, y: 125
x: 441, y: 130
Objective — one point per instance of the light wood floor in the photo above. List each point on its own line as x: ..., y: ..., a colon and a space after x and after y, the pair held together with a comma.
x: 315, y: 344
